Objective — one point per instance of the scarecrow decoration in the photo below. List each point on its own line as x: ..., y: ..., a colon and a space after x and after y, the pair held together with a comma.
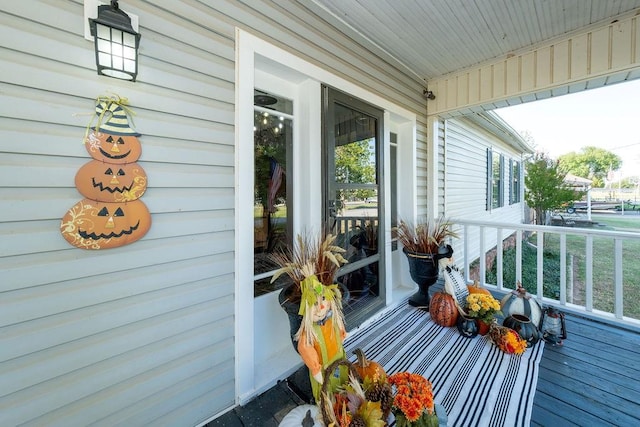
x: 321, y: 333
x: 110, y: 215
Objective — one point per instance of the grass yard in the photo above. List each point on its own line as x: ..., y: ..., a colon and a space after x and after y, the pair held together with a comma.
x: 603, y: 266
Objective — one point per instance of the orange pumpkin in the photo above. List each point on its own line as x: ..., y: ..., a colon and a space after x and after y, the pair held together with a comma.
x: 477, y: 289
x: 95, y: 225
x: 443, y: 309
x: 368, y: 369
x: 109, y: 182
x: 113, y: 148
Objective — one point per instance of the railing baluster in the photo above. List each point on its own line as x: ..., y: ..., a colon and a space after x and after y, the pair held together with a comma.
x: 563, y: 269
x: 540, y: 263
x: 483, y: 257
x: 518, y: 256
x: 589, y: 274
x: 499, y: 257
x: 617, y: 278
x: 465, y: 253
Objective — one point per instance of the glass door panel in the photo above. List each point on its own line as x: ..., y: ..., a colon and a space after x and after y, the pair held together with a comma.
x: 353, y: 208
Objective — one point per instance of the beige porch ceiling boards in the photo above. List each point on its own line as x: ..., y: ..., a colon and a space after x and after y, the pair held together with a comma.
x: 478, y: 55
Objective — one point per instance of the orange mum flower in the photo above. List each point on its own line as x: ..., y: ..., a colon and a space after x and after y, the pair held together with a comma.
x: 414, y: 395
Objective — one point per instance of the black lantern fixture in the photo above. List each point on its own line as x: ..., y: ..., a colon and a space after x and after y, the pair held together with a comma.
x: 116, y: 43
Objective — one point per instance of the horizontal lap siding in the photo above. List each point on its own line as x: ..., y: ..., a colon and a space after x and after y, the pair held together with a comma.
x: 466, y: 154
x: 144, y: 333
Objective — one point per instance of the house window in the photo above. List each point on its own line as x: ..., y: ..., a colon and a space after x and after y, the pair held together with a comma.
x: 514, y: 194
x: 495, y: 172
x: 273, y: 141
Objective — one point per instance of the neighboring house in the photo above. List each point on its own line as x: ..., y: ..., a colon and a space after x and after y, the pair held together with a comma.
x: 168, y: 330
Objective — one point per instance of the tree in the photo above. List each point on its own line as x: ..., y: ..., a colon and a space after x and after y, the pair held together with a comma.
x: 591, y: 162
x: 545, y: 188
x: 355, y: 163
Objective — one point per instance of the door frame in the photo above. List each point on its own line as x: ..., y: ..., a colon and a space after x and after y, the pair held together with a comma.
x: 255, y: 55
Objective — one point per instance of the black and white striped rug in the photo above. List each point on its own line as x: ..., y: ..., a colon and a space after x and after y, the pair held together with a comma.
x: 472, y: 379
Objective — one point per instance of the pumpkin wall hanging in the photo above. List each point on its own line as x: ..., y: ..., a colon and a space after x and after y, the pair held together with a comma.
x: 111, y: 214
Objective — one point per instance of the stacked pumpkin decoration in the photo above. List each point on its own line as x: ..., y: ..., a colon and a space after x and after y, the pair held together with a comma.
x: 111, y: 214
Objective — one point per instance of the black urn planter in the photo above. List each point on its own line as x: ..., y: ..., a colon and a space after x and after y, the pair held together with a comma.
x: 424, y: 270
x: 290, y: 303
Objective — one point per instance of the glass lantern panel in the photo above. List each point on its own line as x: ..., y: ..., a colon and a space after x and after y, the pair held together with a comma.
x: 128, y: 39
x: 104, y: 46
x: 116, y: 35
x: 103, y: 31
x: 128, y: 52
x: 116, y: 49
x: 117, y: 62
x: 104, y: 59
x: 129, y: 66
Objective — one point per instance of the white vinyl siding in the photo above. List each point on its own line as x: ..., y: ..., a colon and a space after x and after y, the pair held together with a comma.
x: 466, y: 175
x: 144, y: 333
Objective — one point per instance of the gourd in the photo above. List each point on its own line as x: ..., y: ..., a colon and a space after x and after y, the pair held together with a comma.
x: 368, y: 369
x: 443, y: 309
x: 475, y: 288
x: 521, y: 302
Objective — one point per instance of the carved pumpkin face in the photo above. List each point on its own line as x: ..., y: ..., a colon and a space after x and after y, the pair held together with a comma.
x: 94, y: 225
x: 113, y: 148
x: 109, y: 182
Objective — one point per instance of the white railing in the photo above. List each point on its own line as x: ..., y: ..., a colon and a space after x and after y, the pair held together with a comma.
x: 478, y: 239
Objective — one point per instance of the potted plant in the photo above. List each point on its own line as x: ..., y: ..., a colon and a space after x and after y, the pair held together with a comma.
x: 483, y: 308
x: 424, y: 244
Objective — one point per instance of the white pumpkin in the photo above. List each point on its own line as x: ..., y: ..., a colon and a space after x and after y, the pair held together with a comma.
x: 521, y: 302
x: 303, y: 415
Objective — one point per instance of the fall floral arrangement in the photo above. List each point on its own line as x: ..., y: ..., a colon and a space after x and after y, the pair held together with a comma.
x: 482, y: 306
x: 355, y: 403
x: 413, y: 404
x: 507, y: 339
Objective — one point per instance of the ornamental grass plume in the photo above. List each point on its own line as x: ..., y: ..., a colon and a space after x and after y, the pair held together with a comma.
x: 310, y: 255
x: 426, y: 236
x: 482, y: 306
x: 413, y: 404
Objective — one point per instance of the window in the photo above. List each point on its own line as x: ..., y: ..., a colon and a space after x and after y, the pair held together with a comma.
x: 514, y: 194
x: 273, y: 140
x: 495, y: 172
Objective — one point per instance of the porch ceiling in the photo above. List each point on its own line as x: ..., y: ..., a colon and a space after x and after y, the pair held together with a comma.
x: 432, y: 38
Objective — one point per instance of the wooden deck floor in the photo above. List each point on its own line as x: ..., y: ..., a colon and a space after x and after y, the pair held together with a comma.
x: 591, y: 380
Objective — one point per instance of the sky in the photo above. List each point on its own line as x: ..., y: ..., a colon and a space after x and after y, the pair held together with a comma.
x: 607, y: 117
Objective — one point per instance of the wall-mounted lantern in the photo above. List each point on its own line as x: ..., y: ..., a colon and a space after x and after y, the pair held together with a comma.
x: 116, y: 43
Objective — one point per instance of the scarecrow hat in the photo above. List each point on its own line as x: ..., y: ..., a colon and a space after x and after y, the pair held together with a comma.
x: 113, y: 119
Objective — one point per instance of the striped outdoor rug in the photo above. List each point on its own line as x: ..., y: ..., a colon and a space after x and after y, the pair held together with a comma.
x: 472, y: 379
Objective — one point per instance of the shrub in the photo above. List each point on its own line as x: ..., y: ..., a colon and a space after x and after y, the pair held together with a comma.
x: 551, y: 278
